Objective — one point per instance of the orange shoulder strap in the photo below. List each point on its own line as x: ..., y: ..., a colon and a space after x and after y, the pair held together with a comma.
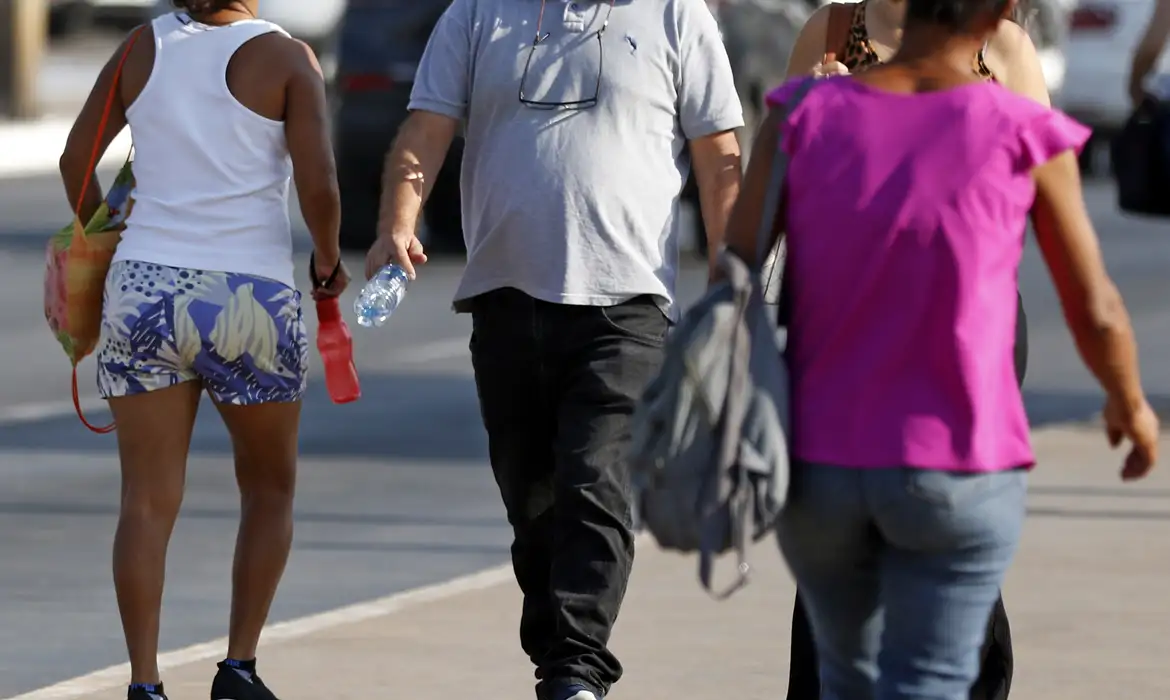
x: 89, y: 173
x: 840, y: 21
x: 101, y: 130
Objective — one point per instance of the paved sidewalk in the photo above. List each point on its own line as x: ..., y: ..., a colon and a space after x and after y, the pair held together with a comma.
x: 1087, y: 597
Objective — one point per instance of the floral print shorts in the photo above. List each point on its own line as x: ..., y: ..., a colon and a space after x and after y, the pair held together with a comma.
x: 242, y: 337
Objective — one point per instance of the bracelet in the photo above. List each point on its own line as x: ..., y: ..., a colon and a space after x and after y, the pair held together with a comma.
x: 317, y: 283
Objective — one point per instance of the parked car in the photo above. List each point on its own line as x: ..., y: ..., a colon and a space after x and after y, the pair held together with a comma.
x: 1101, y: 39
x: 379, y: 47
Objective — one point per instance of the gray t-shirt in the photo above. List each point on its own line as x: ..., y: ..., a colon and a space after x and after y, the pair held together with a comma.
x: 576, y: 206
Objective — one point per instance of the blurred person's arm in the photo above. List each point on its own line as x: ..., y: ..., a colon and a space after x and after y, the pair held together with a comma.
x: 1148, y: 50
x: 1012, y: 57
x: 438, y: 103
x: 78, y: 155
x: 709, y: 113
x: 306, y: 128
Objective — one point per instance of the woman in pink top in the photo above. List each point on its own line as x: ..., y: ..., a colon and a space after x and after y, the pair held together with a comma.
x: 910, y: 439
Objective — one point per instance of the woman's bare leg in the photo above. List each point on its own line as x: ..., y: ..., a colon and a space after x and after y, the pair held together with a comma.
x: 154, y: 435
x: 264, y: 439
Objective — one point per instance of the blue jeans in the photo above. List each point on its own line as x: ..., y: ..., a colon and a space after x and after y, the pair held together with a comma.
x: 899, y: 569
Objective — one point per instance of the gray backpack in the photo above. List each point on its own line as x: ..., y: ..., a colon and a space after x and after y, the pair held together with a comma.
x: 709, y: 453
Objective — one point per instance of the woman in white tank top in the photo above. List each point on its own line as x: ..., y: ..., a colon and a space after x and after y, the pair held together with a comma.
x: 223, y: 109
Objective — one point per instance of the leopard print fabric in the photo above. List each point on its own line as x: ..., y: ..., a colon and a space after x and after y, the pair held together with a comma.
x: 859, y: 53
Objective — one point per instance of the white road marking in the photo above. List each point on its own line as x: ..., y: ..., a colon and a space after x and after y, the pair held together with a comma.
x: 44, y: 410
x: 34, y: 148
x: 428, y: 352
x: 116, y: 676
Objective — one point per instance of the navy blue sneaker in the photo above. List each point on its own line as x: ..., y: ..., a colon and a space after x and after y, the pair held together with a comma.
x: 231, y: 684
x: 577, y: 692
x: 144, y: 692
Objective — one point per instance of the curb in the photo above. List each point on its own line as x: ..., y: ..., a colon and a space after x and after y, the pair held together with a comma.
x: 33, y: 148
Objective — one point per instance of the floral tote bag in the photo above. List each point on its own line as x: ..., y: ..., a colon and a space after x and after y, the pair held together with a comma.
x: 78, y: 258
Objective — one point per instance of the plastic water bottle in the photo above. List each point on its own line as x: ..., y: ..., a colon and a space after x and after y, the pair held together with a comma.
x: 381, y: 296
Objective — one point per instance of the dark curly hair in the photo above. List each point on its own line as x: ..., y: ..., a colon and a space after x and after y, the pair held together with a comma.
x: 958, y: 14
x: 203, y: 7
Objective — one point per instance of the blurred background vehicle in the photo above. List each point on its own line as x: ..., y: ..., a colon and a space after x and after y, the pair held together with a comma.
x: 1102, y: 35
x: 68, y: 16
x: 380, y: 45
x: 313, y: 21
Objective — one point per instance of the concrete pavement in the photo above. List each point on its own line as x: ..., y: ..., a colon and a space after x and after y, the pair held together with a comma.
x: 1086, y: 599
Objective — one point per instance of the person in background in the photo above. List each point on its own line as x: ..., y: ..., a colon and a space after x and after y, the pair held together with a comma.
x: 1147, y: 53
x: 578, y: 118
x: 201, y: 298
x: 900, y: 566
x: 856, y: 37
x: 863, y: 34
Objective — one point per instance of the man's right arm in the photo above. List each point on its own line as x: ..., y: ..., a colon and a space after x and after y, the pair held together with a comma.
x: 438, y: 103
x: 411, y: 168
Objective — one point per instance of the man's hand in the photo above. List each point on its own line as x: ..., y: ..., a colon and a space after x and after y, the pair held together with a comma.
x: 402, y: 249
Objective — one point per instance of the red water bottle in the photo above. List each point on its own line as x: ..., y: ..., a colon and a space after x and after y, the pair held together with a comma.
x: 336, y: 347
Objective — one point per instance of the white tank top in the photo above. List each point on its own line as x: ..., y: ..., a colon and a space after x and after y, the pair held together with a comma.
x: 212, y: 176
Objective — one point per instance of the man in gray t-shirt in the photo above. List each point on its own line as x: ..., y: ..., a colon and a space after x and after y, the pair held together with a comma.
x: 581, y: 120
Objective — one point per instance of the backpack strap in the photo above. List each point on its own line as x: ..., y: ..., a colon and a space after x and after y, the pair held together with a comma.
x: 840, y: 22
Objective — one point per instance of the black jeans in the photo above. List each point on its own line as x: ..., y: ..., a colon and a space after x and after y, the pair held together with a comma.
x: 557, y: 385
x: 998, y: 657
